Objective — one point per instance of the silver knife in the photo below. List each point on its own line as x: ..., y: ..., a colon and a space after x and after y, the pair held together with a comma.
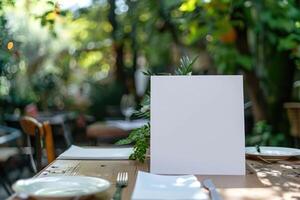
x: 208, y: 184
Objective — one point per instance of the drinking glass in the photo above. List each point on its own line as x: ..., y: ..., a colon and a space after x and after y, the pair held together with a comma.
x: 127, y: 105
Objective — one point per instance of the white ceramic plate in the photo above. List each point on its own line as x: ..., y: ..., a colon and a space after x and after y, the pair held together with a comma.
x: 61, y: 186
x: 273, y: 153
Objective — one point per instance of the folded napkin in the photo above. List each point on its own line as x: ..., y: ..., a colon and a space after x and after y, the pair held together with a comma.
x: 80, y: 153
x: 151, y: 186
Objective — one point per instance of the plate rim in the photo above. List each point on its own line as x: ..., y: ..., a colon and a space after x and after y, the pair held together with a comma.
x: 108, y: 184
x: 270, y: 155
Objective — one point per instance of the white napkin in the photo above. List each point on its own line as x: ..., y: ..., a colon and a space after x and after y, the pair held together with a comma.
x: 151, y: 186
x: 127, y: 125
x: 80, y: 153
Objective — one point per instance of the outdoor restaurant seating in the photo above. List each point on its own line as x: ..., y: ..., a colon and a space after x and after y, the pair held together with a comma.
x: 149, y: 100
x: 8, y: 135
x: 110, y: 131
x: 40, y: 132
x: 100, y: 132
x: 60, y: 123
x: 13, y: 157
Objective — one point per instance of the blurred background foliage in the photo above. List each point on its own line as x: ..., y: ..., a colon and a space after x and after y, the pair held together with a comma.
x: 86, y: 54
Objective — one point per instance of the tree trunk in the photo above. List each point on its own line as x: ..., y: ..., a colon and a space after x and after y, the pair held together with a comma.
x: 118, y: 45
x: 259, y: 105
x: 169, y: 26
x: 134, y: 50
x: 252, y: 82
x: 119, y: 64
x: 283, y: 80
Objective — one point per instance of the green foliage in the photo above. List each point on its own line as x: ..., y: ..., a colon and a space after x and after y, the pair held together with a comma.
x: 259, y: 39
x: 103, y: 95
x: 263, y: 135
x: 141, y: 139
x: 141, y: 136
x: 29, y: 49
x: 241, y: 34
x: 185, y: 67
x: 144, y: 111
x: 228, y: 59
x: 7, y: 56
x: 78, y: 46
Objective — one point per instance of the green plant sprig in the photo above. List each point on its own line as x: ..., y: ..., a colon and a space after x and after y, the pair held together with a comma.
x: 140, y: 137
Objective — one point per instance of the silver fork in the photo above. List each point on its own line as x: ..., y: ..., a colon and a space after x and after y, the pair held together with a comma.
x: 208, y: 184
x: 122, y: 181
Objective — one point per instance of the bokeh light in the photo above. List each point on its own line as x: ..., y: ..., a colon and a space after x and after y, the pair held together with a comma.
x: 10, y: 45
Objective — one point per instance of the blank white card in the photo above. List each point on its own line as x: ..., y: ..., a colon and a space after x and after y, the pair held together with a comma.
x: 197, y: 125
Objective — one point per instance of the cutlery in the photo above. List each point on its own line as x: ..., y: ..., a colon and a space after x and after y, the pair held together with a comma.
x: 208, y: 184
x: 122, y: 181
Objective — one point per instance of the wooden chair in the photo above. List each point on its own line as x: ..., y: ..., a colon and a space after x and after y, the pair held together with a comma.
x: 42, y: 134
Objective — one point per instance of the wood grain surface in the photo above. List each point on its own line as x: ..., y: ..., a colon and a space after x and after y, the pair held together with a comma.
x: 263, y: 181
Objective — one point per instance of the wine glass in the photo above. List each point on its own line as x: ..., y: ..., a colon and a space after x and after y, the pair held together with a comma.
x: 127, y: 105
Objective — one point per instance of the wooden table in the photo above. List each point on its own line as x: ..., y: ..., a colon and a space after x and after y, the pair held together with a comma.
x: 262, y: 182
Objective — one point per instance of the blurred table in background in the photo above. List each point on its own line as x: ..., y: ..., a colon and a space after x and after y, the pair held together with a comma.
x: 112, y: 130
x: 56, y: 119
x: 8, y: 134
x: 7, y: 137
x: 12, y: 157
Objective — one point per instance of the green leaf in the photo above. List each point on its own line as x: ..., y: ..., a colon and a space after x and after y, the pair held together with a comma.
x: 51, y: 3
x: 244, y: 61
x: 148, y: 73
x: 287, y: 43
x: 188, y: 6
x: 185, y: 66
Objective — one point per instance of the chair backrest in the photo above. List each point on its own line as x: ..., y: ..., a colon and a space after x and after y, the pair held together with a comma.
x: 29, y: 124
x: 41, y: 132
x: 50, y: 149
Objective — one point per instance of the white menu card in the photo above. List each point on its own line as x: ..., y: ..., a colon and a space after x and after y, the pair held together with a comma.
x: 197, y: 125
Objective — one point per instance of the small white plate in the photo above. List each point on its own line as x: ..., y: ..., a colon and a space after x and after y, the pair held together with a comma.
x: 273, y: 153
x: 60, y: 186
